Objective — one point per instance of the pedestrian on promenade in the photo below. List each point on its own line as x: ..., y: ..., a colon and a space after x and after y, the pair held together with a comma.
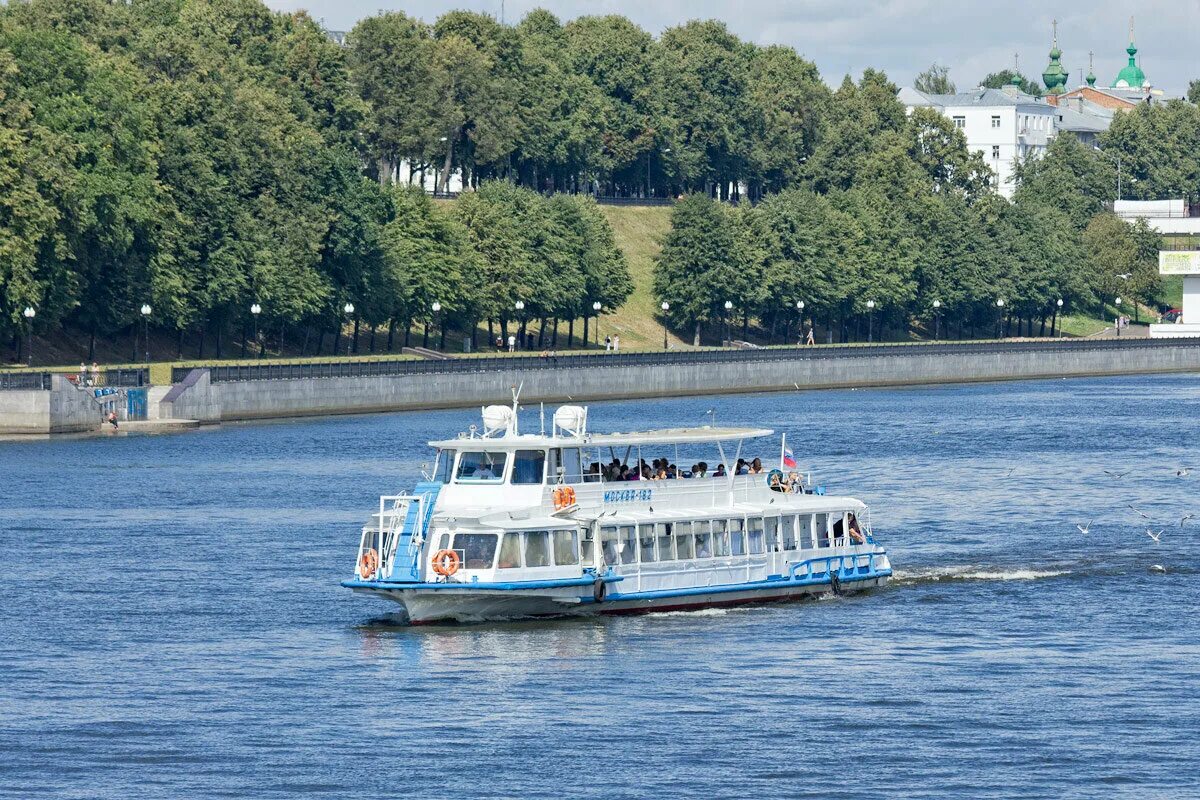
x: 499, y: 345
x: 608, y: 344
x: 95, y: 375
x: 81, y: 378
x: 810, y: 339
x: 112, y: 419
x: 512, y: 343
x: 617, y: 343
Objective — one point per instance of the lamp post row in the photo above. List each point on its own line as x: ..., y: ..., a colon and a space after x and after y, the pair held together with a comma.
x: 255, y: 309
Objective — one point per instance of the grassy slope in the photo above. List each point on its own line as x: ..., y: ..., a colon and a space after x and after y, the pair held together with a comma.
x: 639, y: 232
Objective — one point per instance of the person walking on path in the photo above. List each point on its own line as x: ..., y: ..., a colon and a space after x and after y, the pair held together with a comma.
x: 617, y: 343
x: 608, y: 344
x: 512, y: 343
x: 810, y: 339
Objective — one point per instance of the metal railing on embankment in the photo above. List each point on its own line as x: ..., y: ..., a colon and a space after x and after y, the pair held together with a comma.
x: 348, y: 369
x: 37, y: 381
x: 118, y: 377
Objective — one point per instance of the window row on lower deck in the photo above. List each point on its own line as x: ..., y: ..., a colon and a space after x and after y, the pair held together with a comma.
x: 648, y: 543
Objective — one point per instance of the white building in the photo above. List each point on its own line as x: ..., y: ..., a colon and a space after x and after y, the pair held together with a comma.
x: 1004, y: 125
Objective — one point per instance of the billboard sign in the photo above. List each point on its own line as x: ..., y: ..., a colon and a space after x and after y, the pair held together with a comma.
x: 1179, y: 262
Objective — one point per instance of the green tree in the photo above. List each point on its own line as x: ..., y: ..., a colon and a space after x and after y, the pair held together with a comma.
x: 998, y: 80
x: 704, y: 263
x: 935, y: 80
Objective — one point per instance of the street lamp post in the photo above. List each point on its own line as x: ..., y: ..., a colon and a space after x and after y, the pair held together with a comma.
x: 870, y: 321
x: 1118, y: 316
x: 1000, y: 318
x: 255, y: 310
x: 520, y: 307
x: 349, y: 309
x: 29, y: 313
x: 725, y: 322
x: 665, y: 308
x: 937, y: 319
x: 800, y: 320
x: 146, y: 329
x: 1058, y: 318
x: 437, y: 315
x: 596, y: 306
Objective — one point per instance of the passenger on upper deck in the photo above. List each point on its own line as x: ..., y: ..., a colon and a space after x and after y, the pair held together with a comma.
x: 700, y: 470
x: 720, y: 472
x: 756, y: 467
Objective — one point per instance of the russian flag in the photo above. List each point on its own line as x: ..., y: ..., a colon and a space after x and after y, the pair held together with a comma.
x: 789, y: 460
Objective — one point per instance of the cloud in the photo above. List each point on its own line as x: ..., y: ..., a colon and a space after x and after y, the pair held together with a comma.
x: 902, y: 37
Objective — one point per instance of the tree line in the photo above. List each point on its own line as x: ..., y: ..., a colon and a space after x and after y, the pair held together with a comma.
x: 900, y: 232
x: 202, y: 156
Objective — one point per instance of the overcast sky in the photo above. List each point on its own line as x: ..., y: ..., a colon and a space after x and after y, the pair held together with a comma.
x: 972, y: 37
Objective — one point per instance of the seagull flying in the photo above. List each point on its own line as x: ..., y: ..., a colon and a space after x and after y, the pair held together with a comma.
x: 1085, y: 528
x: 1185, y: 518
x: 1116, y: 475
x: 1139, y: 513
x: 1153, y: 535
x: 1157, y: 568
x: 1183, y: 472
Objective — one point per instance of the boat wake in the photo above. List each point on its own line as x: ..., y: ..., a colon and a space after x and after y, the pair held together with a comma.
x: 971, y: 573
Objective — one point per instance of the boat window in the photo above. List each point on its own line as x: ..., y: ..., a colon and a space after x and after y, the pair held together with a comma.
x: 703, y: 542
x: 528, y: 466
x: 588, y: 545
x: 608, y: 545
x: 646, y: 543
x: 572, y: 470
x: 804, y: 531
x: 772, y: 528
x: 478, y: 466
x: 537, y: 548
x: 478, y: 550
x: 788, y: 524
x: 683, y: 540
x: 445, y: 466
x: 628, y: 548
x: 444, y: 542
x: 754, y: 536
x: 665, y: 550
x: 510, y: 551
x: 824, y: 529
x: 737, y: 537
x: 719, y: 537
x: 566, y: 548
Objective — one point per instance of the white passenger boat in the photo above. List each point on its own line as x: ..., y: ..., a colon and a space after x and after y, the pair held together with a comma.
x: 526, y: 525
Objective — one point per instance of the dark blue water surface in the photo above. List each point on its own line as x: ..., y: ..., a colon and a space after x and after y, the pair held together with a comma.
x: 171, y: 623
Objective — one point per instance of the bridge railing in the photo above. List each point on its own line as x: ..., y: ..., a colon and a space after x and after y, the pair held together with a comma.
x: 346, y: 369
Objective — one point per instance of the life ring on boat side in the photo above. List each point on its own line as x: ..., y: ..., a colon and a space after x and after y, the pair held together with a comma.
x: 368, y: 564
x: 598, y: 589
x: 446, y: 563
x: 563, y: 496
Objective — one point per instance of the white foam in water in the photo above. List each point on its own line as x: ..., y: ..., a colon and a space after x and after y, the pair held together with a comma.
x: 975, y: 573
x: 700, y: 612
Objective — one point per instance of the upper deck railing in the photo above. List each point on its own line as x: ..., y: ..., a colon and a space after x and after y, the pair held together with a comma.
x: 346, y: 369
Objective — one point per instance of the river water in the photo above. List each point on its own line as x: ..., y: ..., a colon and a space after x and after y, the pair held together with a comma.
x: 171, y: 623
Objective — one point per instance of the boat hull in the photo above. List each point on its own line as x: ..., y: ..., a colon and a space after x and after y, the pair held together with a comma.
x: 425, y: 606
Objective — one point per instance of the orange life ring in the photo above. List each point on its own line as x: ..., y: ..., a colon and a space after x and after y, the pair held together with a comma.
x: 368, y: 564
x: 564, y: 496
x: 446, y: 562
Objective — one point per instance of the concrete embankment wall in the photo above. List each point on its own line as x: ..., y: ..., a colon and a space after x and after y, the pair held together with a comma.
x: 258, y: 399
x: 64, y: 408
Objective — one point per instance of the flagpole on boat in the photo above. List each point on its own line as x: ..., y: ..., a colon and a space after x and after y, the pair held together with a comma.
x: 782, y: 449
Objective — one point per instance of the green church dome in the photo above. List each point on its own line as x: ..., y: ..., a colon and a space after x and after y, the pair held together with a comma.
x: 1055, y: 76
x: 1131, y: 75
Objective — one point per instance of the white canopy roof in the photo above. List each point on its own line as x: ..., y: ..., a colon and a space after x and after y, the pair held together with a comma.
x: 659, y: 437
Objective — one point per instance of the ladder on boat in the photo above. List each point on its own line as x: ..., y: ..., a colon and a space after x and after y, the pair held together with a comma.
x: 399, y: 533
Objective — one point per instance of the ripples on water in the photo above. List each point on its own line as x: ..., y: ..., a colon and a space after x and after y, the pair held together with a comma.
x: 171, y: 623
